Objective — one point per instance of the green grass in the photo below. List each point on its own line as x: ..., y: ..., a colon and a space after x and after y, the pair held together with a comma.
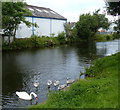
x: 98, y: 90
x: 33, y: 42
x: 106, y: 37
x: 38, y: 42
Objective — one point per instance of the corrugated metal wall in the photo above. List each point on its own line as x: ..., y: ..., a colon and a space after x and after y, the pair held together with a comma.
x: 58, y: 26
x: 23, y: 31
x: 46, y: 27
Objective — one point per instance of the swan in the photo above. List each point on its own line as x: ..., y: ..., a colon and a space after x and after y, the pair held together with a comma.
x: 56, y: 83
x: 26, y: 96
x: 62, y: 86
x: 69, y: 81
x: 36, y: 84
x: 39, y: 72
x: 49, y: 82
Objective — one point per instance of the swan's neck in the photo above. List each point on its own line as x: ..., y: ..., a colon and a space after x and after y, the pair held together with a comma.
x: 32, y: 93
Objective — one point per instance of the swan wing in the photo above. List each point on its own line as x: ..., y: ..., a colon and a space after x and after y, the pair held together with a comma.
x: 56, y: 83
x: 23, y: 95
x: 49, y: 82
x: 36, y: 84
x: 70, y: 81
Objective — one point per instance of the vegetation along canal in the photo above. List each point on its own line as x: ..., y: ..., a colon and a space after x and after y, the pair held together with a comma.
x: 21, y: 69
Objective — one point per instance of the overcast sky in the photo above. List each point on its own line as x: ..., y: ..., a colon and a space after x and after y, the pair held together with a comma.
x: 70, y: 9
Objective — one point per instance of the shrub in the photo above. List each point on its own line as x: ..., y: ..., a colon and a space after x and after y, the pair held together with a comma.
x: 116, y: 35
x: 103, y: 37
x: 107, y: 37
x: 61, y: 37
x: 35, y: 40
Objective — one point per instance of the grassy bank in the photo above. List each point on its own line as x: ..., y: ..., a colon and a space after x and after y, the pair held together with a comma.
x: 98, y: 90
x: 32, y: 42
x: 106, y: 37
x: 43, y: 41
x: 38, y: 42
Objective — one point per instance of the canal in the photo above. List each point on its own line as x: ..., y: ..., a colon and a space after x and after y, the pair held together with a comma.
x: 21, y: 69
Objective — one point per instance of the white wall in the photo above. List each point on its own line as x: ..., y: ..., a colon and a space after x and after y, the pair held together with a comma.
x: 23, y: 31
x: 46, y: 27
x: 58, y: 26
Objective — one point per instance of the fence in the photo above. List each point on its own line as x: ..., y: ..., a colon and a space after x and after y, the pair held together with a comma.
x: 7, y: 39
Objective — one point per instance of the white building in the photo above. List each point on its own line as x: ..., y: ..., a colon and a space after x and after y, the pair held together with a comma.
x: 49, y: 23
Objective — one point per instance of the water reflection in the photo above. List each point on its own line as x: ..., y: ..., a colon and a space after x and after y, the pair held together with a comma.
x: 21, y: 69
x: 86, y: 53
x: 11, y: 74
x: 107, y: 48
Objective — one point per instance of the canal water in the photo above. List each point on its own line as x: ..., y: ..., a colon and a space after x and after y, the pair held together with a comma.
x: 21, y: 69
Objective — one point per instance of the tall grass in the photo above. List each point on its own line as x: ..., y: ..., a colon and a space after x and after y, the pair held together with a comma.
x: 39, y: 41
x: 44, y: 41
x: 33, y: 42
x: 106, y: 37
x: 98, y: 90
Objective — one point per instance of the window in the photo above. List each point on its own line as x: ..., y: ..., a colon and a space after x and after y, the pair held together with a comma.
x: 46, y: 11
x: 31, y: 9
x: 38, y: 10
x: 53, y: 12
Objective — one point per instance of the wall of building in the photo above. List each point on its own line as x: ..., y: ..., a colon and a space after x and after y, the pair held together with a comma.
x: 57, y: 26
x: 23, y: 31
x: 46, y: 27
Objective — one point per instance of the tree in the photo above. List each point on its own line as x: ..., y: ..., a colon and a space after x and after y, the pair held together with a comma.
x: 13, y: 14
x: 89, y: 24
x: 69, y: 28
x: 113, y: 8
x: 117, y: 28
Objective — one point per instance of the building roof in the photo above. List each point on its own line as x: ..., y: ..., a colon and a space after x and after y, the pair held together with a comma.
x: 44, y: 12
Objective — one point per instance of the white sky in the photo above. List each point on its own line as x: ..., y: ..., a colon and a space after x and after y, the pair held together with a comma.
x: 70, y: 9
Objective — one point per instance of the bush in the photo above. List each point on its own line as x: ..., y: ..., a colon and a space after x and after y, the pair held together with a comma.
x: 61, y: 37
x: 116, y: 35
x: 35, y: 40
x: 107, y: 37
x: 103, y: 37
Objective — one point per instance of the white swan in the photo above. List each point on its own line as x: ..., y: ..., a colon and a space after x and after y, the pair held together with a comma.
x: 62, y: 86
x: 26, y: 96
x: 69, y: 81
x: 36, y: 84
x: 56, y: 83
x: 49, y: 82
